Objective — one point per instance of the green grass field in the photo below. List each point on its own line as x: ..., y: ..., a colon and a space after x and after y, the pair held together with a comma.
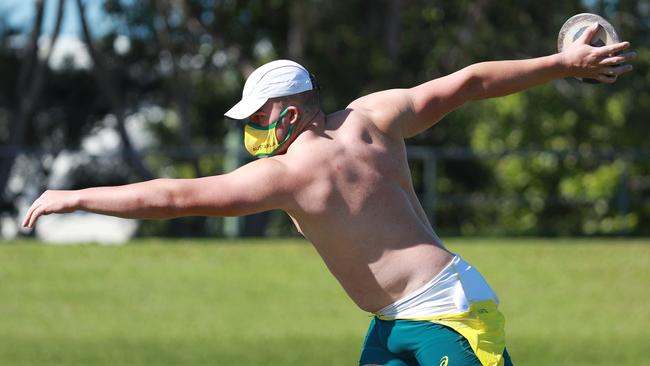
x: 156, y: 302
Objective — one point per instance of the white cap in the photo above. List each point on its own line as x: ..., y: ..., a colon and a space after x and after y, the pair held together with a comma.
x: 274, y: 79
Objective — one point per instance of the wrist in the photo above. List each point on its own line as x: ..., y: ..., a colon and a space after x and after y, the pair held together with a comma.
x: 562, y: 64
x: 75, y: 200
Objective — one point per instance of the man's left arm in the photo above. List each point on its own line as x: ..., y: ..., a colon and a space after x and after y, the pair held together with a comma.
x: 408, y: 112
x: 498, y: 78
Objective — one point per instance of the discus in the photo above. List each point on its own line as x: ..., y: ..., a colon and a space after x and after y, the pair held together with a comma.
x: 573, y: 28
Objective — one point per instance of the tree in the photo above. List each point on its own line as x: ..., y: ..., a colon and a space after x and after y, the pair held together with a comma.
x: 29, y: 87
x: 189, y: 59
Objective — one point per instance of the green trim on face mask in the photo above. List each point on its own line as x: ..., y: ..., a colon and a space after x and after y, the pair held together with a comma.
x: 280, y: 144
x: 272, y: 125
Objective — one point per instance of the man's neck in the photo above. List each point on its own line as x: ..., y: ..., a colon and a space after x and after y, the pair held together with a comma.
x: 317, y: 123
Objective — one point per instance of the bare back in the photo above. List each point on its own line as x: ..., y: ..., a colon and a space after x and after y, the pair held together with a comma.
x: 355, y: 202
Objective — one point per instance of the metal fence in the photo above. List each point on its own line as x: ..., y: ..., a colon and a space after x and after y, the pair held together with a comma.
x: 426, y: 161
x: 633, y: 187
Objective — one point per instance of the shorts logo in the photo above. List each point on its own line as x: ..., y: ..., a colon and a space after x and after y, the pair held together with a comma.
x: 444, y: 361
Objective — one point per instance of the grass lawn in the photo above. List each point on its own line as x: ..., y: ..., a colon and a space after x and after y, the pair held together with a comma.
x: 266, y: 302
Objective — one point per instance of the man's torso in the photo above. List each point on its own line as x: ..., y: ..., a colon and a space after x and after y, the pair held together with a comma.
x: 355, y: 202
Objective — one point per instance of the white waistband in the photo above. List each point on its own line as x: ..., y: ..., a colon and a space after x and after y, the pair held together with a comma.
x: 451, y: 291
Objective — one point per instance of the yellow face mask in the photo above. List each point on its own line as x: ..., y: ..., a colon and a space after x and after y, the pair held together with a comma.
x: 262, y: 141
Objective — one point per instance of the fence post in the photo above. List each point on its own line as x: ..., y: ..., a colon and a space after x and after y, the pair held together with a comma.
x: 623, y: 197
x: 232, y: 226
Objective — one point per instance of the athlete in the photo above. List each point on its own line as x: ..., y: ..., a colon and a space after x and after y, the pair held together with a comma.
x: 344, y: 180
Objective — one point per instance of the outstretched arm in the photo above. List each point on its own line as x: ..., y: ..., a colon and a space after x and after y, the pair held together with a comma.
x: 258, y: 186
x: 407, y: 112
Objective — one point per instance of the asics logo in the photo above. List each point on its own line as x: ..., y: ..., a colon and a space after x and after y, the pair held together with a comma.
x: 444, y: 361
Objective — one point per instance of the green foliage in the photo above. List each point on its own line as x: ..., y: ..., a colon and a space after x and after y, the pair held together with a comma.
x: 191, y: 59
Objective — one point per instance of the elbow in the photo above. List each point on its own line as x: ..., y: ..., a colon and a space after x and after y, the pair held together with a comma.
x: 165, y: 203
x: 473, y: 85
x: 183, y: 197
x: 174, y: 201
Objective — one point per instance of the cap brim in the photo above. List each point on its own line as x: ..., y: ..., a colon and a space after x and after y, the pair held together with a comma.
x: 245, y: 108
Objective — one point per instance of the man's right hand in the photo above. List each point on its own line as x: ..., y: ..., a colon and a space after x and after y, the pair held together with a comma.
x: 51, y: 202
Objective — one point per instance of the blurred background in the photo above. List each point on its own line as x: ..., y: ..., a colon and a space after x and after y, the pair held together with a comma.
x: 108, y: 92
x: 118, y: 91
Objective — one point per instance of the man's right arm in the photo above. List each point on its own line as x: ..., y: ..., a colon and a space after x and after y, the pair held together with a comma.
x: 258, y: 186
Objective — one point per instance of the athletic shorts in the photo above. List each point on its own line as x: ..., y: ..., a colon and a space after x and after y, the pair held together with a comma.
x: 453, y: 320
x: 412, y: 342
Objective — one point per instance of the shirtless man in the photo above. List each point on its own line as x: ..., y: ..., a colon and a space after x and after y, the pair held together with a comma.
x: 344, y: 180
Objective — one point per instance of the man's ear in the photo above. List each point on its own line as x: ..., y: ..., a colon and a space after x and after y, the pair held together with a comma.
x: 293, y: 114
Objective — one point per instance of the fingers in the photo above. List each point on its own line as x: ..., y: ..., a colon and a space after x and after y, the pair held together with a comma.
x: 32, y: 214
x: 608, y: 50
x: 616, y: 70
x: 618, y: 59
x: 609, y: 75
x: 31, y: 220
x: 36, y: 210
x: 35, y: 214
x: 48, y: 203
x: 613, y: 64
x: 26, y: 219
x: 588, y: 34
x: 28, y: 215
x: 607, y: 79
x: 613, y: 49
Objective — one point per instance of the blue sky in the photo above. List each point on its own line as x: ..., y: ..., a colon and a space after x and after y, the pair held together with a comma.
x: 20, y: 13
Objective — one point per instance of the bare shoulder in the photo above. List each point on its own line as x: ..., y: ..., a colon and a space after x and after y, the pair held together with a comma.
x: 265, y: 166
x: 267, y: 183
x: 289, y: 171
x: 402, y: 113
x: 387, y: 110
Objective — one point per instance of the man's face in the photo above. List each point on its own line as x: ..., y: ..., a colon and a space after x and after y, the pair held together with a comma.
x: 269, y: 113
x: 266, y: 115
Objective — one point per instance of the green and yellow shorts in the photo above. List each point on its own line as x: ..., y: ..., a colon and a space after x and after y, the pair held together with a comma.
x: 451, y: 321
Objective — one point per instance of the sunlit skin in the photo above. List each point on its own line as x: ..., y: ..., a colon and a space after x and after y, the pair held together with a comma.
x: 344, y: 177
